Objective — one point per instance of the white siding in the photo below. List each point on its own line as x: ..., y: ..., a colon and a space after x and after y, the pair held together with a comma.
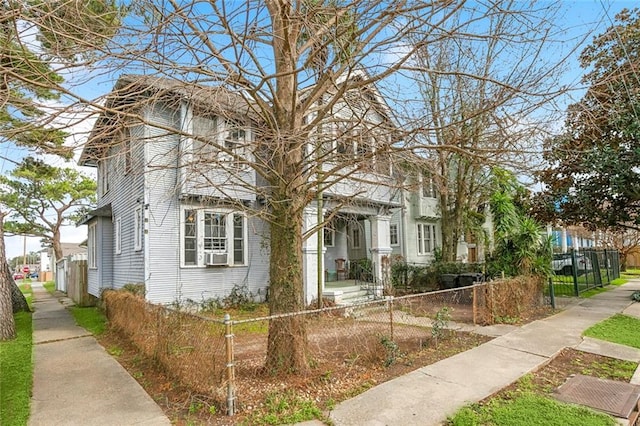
x: 166, y: 281
x: 101, y: 277
x: 127, y: 193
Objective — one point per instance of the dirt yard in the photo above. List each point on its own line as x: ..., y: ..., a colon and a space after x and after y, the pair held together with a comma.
x: 332, y: 378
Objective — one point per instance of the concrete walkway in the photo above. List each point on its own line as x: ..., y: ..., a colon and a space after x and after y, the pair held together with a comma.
x: 430, y: 394
x: 75, y: 382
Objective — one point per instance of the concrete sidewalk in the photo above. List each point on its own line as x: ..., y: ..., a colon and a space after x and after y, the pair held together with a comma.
x: 430, y: 394
x: 75, y: 382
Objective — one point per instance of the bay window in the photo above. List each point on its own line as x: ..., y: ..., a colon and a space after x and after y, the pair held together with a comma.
x: 213, y: 238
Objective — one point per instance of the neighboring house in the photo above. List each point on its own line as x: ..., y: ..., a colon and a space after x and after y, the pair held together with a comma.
x: 48, y: 257
x: 415, y: 229
x: 70, y: 252
x: 168, y: 218
x: 572, y: 237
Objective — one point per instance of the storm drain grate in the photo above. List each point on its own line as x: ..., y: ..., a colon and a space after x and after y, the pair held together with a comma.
x: 619, y: 399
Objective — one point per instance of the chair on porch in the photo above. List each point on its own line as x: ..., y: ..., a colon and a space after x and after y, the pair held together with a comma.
x: 341, y: 270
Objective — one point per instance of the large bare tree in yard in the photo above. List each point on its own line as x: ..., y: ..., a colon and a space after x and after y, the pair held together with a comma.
x: 483, y: 83
x: 293, y: 68
x: 31, y: 87
x: 308, y: 75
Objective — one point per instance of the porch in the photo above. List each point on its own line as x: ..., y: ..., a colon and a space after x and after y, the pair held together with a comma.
x: 350, y: 291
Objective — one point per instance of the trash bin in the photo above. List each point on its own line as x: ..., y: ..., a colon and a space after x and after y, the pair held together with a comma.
x: 468, y: 279
x: 448, y: 281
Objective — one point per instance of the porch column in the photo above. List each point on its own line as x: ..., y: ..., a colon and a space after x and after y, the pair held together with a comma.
x: 380, y: 247
x: 563, y: 239
x: 310, y: 256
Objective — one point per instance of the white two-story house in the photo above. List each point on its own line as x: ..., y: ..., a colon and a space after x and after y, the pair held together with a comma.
x: 178, y: 206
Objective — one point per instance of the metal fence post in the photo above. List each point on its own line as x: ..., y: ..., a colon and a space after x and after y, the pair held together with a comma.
x: 574, y: 272
x: 552, y: 294
x: 607, y: 266
x: 231, y: 379
x: 390, y: 303
x: 475, y: 304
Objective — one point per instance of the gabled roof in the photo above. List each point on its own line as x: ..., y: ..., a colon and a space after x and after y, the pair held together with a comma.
x: 134, y: 91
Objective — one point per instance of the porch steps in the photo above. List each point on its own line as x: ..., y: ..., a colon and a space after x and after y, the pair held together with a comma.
x: 349, y: 295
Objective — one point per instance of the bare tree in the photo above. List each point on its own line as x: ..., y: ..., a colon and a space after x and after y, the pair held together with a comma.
x: 314, y: 80
x: 626, y: 241
x: 484, y: 83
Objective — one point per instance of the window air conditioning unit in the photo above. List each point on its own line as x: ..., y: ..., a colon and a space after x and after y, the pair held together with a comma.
x: 216, y: 259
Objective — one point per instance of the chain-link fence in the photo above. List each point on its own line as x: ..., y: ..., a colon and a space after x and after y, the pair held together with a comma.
x: 226, y: 358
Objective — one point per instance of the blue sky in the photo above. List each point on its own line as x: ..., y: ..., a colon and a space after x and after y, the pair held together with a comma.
x: 580, y: 17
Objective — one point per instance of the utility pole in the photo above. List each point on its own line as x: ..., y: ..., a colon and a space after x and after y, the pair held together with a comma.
x: 24, y: 252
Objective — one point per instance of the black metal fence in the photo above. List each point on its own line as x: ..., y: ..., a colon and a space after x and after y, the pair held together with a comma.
x: 580, y: 270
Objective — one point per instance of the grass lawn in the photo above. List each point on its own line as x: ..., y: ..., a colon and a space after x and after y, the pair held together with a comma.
x: 529, y: 401
x: 26, y: 289
x: 50, y: 286
x: 90, y: 318
x: 16, y: 379
x: 621, y: 329
x: 529, y: 409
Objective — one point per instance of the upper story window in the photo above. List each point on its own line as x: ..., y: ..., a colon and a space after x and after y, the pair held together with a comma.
x: 428, y: 186
x: 235, y: 142
x: 205, y: 136
x: 103, y: 173
x: 221, y: 140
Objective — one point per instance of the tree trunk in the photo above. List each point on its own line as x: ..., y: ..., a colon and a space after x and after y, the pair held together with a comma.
x: 7, y: 322
x: 57, y: 246
x: 287, y: 344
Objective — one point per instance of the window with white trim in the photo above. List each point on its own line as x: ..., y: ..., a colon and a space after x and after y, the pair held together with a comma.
x: 426, y: 237
x: 118, y: 235
x: 103, y: 172
x: 205, y: 136
x: 329, y: 236
x: 235, y: 142
x: 393, y: 234
x: 428, y: 186
x: 137, y: 228
x: 190, y: 238
x: 93, y: 248
x: 213, y: 232
x: 355, y: 237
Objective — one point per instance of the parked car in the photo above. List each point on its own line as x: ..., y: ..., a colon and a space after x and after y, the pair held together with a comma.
x: 18, y: 276
x: 34, y: 275
x: 562, y: 265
